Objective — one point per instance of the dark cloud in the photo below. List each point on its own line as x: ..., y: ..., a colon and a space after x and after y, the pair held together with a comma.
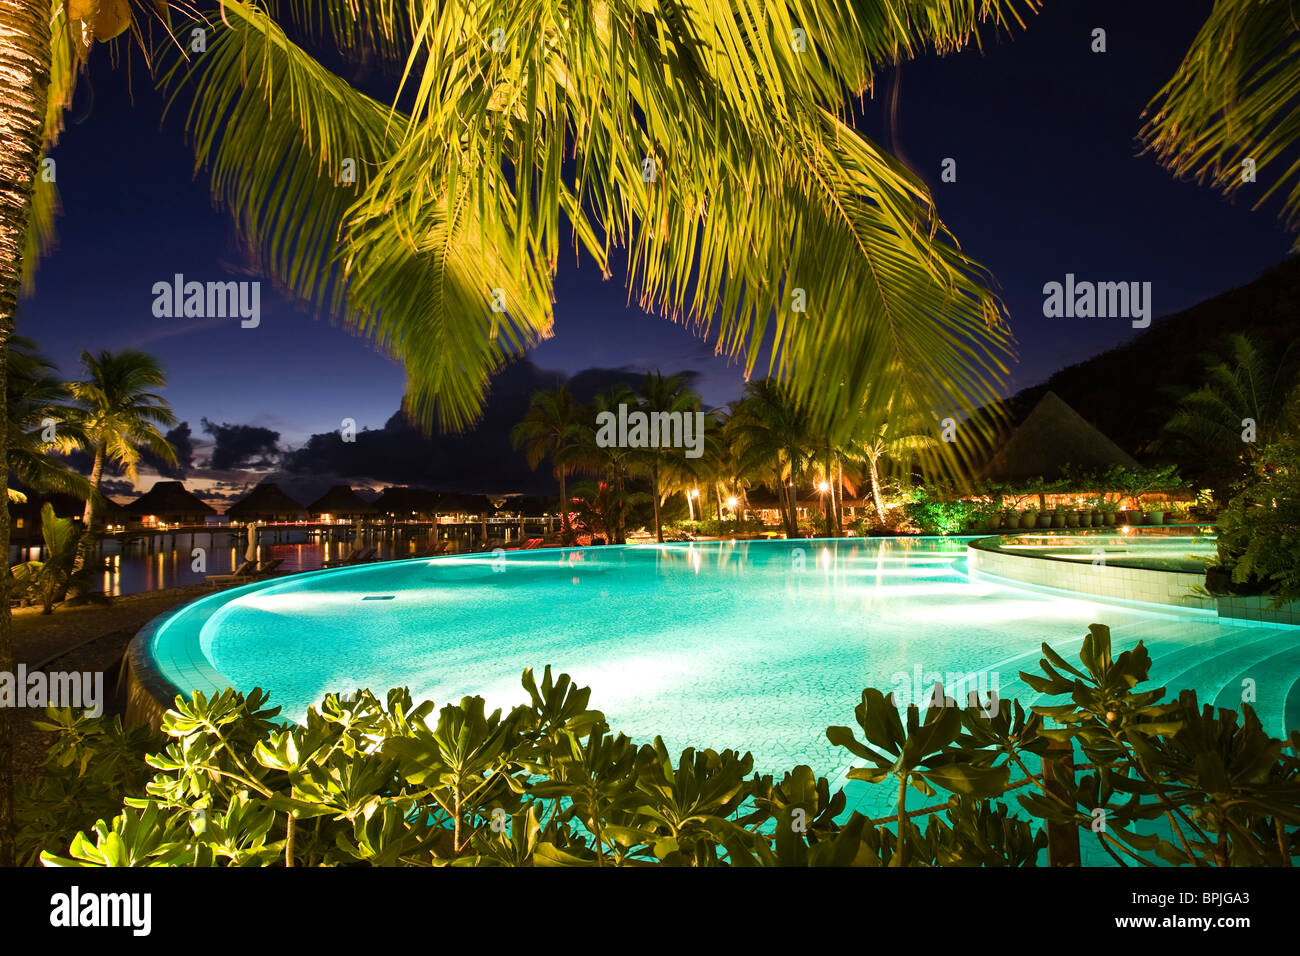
x: 181, y: 439
x: 241, y: 446
x: 481, y: 460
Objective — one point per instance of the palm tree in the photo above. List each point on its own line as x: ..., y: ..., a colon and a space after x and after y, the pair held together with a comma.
x: 42, y: 423
x: 552, y: 424
x: 1229, y: 116
x: 772, y: 436
x: 120, y: 416
x: 434, y: 228
x: 666, y: 395
x: 610, y: 465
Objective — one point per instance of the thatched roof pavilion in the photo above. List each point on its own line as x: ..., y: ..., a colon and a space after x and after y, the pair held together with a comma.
x: 1052, y: 437
x: 266, y: 502
x: 341, y: 502
x: 170, y: 502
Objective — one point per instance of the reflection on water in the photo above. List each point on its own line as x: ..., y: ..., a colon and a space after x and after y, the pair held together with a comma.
x: 174, y: 560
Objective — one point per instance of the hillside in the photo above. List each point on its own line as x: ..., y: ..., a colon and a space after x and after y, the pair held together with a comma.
x: 1129, y: 392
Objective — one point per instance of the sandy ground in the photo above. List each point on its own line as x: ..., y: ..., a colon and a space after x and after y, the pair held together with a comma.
x: 87, y: 638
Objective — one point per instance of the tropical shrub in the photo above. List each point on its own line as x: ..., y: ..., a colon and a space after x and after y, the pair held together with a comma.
x: 370, y: 782
x: 713, y: 528
x: 935, y: 516
x: 50, y: 581
x: 1259, y: 530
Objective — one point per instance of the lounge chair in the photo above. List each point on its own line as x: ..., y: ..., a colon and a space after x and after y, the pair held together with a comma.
x: 267, y: 568
x: 350, y: 558
x: 245, y: 572
x: 355, y: 557
x: 531, y: 543
x: 434, y: 550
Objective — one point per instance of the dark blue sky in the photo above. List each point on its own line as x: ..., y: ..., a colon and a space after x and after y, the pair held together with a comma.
x: 1049, y: 182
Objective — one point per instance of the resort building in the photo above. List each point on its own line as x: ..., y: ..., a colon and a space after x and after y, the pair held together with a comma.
x: 169, y: 503
x: 266, y: 502
x: 341, y: 503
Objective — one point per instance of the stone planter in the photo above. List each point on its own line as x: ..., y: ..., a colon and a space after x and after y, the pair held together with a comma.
x: 1044, y: 520
x: 1154, y: 517
x: 1072, y: 519
x: 1096, y: 519
x: 1011, y: 519
x: 1029, y: 519
x: 1109, y: 518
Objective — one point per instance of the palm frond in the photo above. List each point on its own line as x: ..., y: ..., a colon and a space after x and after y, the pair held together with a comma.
x: 702, y: 141
x: 1236, y: 97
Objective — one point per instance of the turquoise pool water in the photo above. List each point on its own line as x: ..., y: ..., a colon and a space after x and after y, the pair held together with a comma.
x: 753, y: 645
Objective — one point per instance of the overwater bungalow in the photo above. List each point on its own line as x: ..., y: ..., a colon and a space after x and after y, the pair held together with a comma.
x: 341, y: 503
x: 266, y: 502
x: 169, y: 503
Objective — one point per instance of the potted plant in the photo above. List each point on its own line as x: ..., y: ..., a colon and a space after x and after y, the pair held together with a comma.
x: 1065, y: 517
x: 1011, y: 518
x: 1029, y: 517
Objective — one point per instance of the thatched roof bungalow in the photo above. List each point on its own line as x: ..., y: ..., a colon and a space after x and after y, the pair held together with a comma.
x: 266, y: 502
x: 341, y: 502
x: 169, y: 502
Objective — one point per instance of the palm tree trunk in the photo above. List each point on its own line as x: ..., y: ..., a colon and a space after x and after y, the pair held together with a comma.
x: 839, y: 498
x: 566, y: 527
x: 88, y: 515
x: 24, y: 81
x: 832, y: 526
x: 875, y: 490
x: 793, y: 492
x: 654, y: 493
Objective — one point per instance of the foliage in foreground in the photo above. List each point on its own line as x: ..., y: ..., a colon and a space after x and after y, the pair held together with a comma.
x: 365, y: 782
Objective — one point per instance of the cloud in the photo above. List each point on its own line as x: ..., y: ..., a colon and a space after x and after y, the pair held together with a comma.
x: 236, y: 446
x: 182, y: 439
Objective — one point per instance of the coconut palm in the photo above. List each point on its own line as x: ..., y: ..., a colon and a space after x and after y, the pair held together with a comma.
x: 42, y: 424
x: 666, y: 467
x: 434, y: 228
x: 551, y: 424
x: 772, y: 436
x: 611, y: 466
x: 1229, y: 116
x: 120, y: 415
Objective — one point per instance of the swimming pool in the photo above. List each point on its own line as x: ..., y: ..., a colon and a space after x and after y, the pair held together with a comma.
x: 1169, y: 551
x: 754, y: 645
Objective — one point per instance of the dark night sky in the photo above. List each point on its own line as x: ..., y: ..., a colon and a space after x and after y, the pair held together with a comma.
x: 1049, y: 182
